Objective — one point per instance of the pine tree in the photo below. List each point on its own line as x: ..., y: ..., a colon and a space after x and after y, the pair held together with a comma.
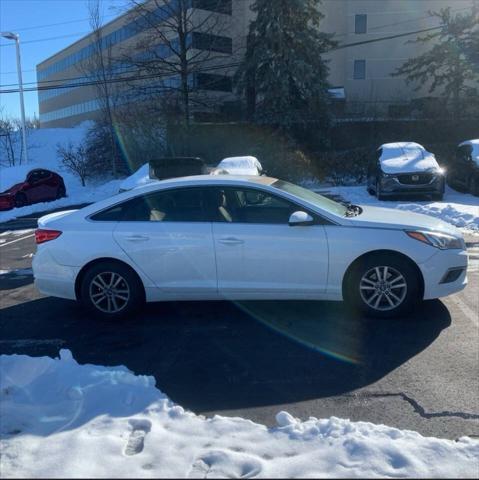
x: 283, y: 75
x: 448, y: 66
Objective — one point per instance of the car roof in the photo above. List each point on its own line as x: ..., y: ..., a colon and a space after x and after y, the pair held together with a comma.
x: 402, y: 146
x: 470, y: 142
x: 213, y: 179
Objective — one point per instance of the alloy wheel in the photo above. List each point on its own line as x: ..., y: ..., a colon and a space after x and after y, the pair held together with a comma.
x: 109, y: 292
x: 383, y: 288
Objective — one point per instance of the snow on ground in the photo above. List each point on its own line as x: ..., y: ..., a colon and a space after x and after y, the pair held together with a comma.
x: 462, y: 210
x: 42, y: 154
x: 62, y: 419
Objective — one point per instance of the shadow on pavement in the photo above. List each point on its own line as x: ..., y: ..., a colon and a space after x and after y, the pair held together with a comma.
x: 11, y: 279
x: 218, y: 355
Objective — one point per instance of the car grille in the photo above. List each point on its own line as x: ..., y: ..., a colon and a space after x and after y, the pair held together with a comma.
x: 416, y: 179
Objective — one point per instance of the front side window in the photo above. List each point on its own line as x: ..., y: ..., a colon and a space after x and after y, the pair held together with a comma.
x: 244, y: 205
x: 175, y: 205
x: 311, y: 197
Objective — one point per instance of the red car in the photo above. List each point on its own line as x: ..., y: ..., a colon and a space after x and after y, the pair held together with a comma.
x: 40, y: 186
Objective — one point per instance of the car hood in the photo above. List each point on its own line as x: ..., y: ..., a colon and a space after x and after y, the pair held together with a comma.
x: 377, y: 217
x: 14, y: 189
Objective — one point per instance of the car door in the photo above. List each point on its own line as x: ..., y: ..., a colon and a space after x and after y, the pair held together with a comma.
x: 35, y: 188
x: 168, y: 236
x: 258, y: 255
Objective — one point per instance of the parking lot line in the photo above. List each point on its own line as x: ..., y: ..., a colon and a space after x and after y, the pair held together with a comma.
x: 17, y: 240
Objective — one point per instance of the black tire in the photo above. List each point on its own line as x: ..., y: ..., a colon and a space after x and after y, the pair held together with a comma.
x: 20, y: 200
x: 474, y: 186
x: 379, y: 194
x: 129, y: 281
x: 409, y: 296
x: 61, y: 192
x: 438, y: 197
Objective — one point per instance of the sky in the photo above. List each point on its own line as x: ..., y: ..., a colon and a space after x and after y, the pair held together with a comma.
x: 45, y: 27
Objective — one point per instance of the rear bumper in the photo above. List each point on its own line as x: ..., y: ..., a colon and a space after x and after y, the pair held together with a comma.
x: 51, y: 278
x: 6, y: 203
x: 435, y: 272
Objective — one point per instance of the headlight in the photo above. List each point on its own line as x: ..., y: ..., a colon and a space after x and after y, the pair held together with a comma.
x: 438, y: 240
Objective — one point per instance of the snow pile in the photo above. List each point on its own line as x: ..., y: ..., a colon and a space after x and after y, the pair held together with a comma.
x: 60, y: 419
x: 459, y: 209
x: 241, y: 165
x: 42, y: 154
x: 406, y: 157
x: 138, y: 179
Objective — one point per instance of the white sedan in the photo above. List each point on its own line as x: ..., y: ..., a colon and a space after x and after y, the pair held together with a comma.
x: 227, y: 237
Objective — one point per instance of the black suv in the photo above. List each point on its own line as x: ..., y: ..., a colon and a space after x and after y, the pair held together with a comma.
x: 405, y: 169
x: 463, y: 171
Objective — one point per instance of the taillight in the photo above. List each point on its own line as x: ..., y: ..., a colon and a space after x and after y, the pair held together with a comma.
x: 42, y: 236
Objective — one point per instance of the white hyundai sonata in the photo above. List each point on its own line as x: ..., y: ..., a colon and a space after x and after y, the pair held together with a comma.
x: 238, y: 238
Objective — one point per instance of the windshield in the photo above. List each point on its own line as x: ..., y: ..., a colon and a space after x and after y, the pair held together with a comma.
x: 309, y: 196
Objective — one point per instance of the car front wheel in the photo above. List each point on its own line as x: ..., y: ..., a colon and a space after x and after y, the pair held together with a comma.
x: 111, y: 290
x: 383, y: 286
x: 20, y: 200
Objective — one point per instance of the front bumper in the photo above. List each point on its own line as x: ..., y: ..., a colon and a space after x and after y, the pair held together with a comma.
x: 392, y: 186
x: 436, y: 270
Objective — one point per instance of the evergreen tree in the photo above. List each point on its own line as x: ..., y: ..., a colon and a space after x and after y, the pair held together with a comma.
x: 283, y: 75
x: 448, y: 66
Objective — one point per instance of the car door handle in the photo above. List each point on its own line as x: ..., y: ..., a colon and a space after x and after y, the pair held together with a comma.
x: 137, y: 238
x: 231, y: 241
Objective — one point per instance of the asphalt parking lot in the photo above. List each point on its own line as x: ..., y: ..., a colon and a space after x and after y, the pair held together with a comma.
x: 254, y: 359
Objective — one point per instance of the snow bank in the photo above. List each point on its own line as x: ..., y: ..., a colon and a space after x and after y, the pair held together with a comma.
x: 138, y: 179
x: 459, y: 209
x: 61, y: 419
x: 42, y: 154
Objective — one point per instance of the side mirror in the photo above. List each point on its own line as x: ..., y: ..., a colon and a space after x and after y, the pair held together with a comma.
x: 300, y: 219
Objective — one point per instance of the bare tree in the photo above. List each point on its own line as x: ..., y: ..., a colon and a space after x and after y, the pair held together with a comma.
x: 75, y: 160
x: 11, y: 148
x: 100, y: 67
x: 180, y: 49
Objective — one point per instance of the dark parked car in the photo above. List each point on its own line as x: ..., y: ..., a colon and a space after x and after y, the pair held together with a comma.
x: 463, y: 172
x: 173, y: 167
x: 40, y: 186
x: 405, y: 169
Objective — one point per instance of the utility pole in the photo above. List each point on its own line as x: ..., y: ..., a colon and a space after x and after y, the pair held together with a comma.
x: 16, y: 38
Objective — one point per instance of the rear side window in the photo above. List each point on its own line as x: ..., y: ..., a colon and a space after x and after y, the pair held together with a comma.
x: 178, y: 205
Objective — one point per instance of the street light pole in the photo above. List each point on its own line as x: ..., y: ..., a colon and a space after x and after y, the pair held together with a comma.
x: 16, y: 38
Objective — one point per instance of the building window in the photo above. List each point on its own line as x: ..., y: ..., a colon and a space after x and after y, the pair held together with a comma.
x: 361, y: 23
x: 359, y: 70
x: 219, y: 6
x: 210, y: 81
x: 213, y: 43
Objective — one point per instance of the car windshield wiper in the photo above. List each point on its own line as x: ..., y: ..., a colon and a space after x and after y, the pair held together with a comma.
x: 353, y: 210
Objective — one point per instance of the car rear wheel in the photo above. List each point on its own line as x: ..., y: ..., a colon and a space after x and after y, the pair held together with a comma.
x: 474, y: 186
x: 383, y: 286
x: 20, y: 200
x: 111, y: 290
x: 60, y: 192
